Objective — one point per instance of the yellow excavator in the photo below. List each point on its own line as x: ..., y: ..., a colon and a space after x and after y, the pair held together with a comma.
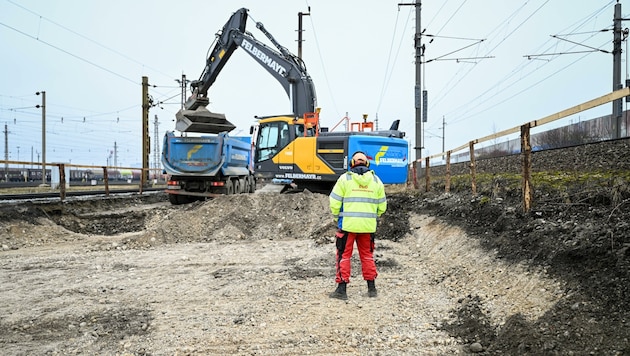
x: 292, y: 150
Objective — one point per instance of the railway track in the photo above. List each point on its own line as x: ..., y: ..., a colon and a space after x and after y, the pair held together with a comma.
x: 79, y: 193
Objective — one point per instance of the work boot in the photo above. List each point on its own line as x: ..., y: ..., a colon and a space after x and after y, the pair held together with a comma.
x: 340, y: 292
x: 371, y: 289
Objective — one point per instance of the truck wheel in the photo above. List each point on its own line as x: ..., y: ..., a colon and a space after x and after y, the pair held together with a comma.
x: 242, y: 184
x: 229, y: 187
x: 173, y: 199
x: 252, y: 184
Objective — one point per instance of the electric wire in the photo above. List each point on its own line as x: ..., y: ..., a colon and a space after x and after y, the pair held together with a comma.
x: 388, y: 70
x: 321, y: 60
x: 458, y: 118
x: 506, y: 79
x: 437, y: 14
x: 451, y: 17
x: 460, y: 78
x: 87, y: 38
x: 515, y: 95
x: 443, y: 92
x: 84, y: 59
x: 69, y: 53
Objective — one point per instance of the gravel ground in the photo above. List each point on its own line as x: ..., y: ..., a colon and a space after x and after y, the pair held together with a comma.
x: 250, y: 275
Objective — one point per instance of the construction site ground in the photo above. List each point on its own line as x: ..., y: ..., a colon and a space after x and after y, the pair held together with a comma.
x: 250, y: 274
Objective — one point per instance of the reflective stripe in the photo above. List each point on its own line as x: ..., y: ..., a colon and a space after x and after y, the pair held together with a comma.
x: 358, y: 215
x: 336, y: 196
x: 361, y: 200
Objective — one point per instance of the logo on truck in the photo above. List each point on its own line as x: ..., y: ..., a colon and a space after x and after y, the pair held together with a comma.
x: 193, y: 150
x: 261, y: 56
x: 393, y: 161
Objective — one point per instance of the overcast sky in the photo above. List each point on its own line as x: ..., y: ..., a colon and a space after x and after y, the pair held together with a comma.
x: 90, y: 57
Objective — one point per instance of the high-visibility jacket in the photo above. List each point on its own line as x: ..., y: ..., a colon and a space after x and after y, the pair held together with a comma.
x: 357, y: 200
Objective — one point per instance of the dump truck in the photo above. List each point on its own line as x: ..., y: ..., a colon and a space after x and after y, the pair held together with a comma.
x: 206, y: 166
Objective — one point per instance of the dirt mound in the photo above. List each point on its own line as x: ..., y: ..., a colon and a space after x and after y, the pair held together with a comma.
x: 488, y: 277
x: 264, y: 216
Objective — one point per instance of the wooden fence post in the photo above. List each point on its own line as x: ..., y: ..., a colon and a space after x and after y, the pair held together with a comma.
x: 142, y: 184
x: 473, y: 177
x: 62, y: 181
x: 447, y: 184
x: 106, y: 181
x: 526, y: 154
x: 415, y: 174
x: 427, y: 176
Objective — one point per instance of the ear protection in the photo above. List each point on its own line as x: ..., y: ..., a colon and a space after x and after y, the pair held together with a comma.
x: 354, y: 162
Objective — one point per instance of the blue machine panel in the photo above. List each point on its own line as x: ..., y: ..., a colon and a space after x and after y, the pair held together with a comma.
x: 389, y: 156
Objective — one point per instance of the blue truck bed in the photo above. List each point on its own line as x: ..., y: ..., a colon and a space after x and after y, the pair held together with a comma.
x: 206, y: 155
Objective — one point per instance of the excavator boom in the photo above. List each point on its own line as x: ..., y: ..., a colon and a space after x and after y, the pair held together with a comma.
x: 287, y: 69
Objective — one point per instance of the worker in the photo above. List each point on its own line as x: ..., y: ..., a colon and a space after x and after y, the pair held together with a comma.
x: 356, y: 201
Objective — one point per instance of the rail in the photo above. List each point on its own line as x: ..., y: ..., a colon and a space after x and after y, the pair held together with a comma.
x: 526, y: 148
x: 61, y: 176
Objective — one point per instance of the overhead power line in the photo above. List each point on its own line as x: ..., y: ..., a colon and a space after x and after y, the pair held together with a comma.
x: 88, y: 39
x: 70, y: 53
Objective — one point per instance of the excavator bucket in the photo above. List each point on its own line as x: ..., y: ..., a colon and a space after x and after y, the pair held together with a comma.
x: 202, y: 120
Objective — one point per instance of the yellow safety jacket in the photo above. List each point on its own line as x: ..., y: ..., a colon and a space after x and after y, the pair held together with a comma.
x: 357, y: 200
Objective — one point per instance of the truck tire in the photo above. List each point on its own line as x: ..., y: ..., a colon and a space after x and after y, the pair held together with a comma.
x: 252, y: 184
x: 229, y: 187
x: 173, y: 198
x: 242, y: 184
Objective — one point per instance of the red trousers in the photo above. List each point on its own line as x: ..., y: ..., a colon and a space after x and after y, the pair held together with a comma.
x: 365, y: 245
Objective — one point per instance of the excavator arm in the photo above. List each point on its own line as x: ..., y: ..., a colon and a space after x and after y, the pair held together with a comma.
x: 222, y: 49
x: 288, y: 69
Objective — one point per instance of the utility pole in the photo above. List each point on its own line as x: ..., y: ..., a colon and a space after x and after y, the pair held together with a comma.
x: 183, y: 83
x: 145, y: 131
x: 418, y: 85
x: 617, y: 108
x: 43, y: 106
x: 156, y: 148
x: 6, y: 150
x: 443, y: 134
x: 300, y: 14
x: 115, y: 154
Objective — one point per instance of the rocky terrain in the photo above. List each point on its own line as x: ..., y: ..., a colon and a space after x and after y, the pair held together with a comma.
x: 250, y: 274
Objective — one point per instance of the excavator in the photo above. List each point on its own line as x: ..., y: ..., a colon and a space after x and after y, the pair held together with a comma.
x: 291, y: 151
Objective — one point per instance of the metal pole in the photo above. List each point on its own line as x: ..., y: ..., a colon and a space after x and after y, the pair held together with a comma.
x: 300, y: 14
x: 443, y: 134
x: 618, y: 103
x: 418, y: 88
x: 418, y: 85
x: 43, y: 107
x: 145, y: 131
